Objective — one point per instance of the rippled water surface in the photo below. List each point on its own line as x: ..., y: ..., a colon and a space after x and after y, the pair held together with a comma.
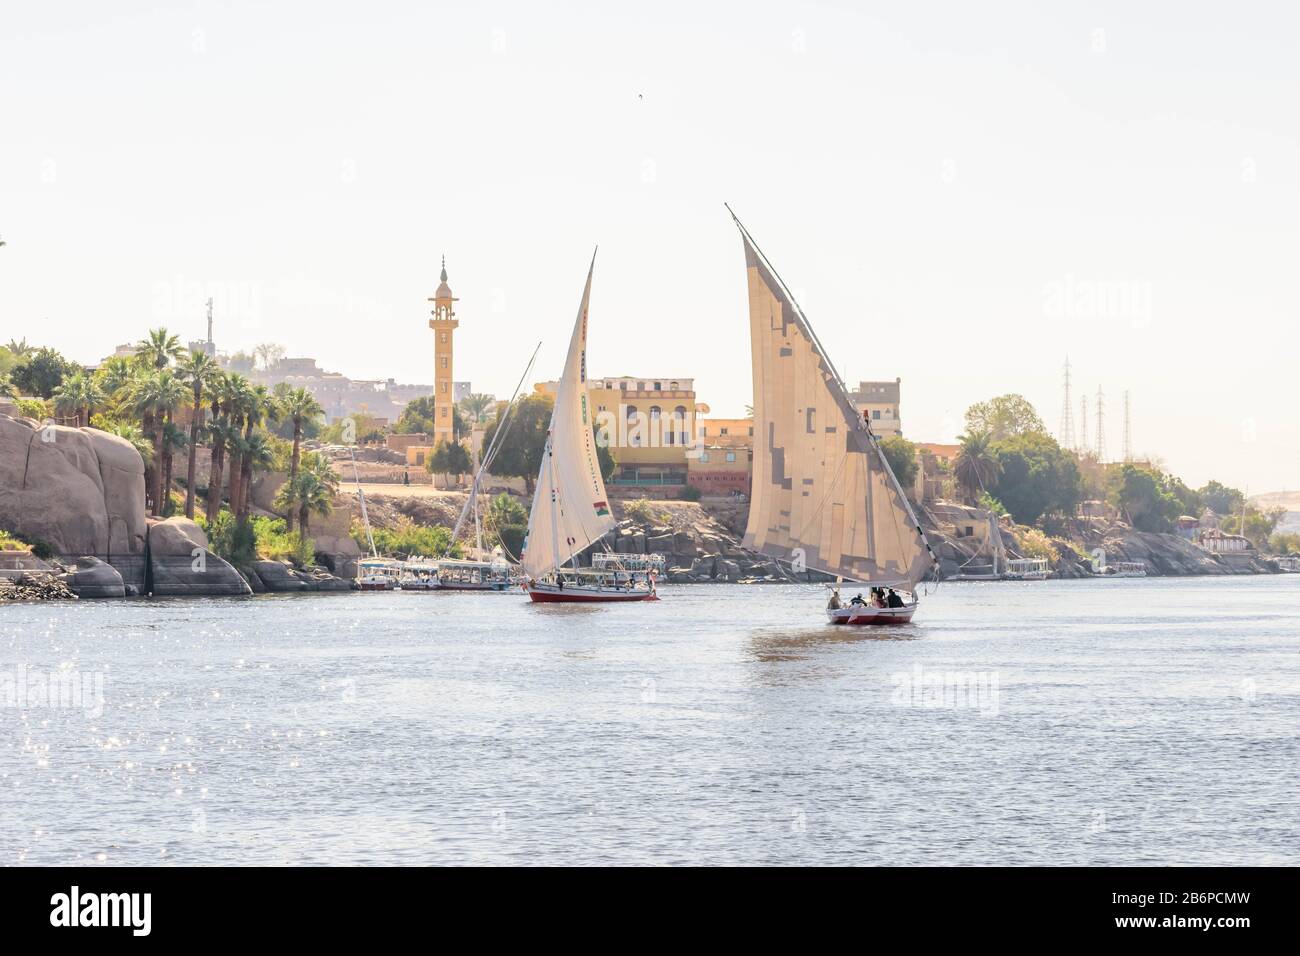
x: 1137, y: 721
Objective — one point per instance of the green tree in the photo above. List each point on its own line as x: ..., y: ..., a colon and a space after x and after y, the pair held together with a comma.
x: 901, y: 455
x: 115, y: 376
x: 77, y: 397
x: 418, y: 418
x: 475, y: 407
x: 1004, y: 417
x: 298, y: 407
x: 1141, y: 496
x: 449, y: 458
x: 1259, y: 525
x: 159, y: 349
x: 520, y: 452
x: 155, y: 396
x: 42, y: 372
x: 1036, y: 477
x: 200, y: 370
x: 1221, y: 499
x: 976, y: 466
x: 310, y: 491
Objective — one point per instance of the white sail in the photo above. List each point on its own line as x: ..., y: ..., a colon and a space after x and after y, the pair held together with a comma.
x: 570, y: 510
x: 824, y: 496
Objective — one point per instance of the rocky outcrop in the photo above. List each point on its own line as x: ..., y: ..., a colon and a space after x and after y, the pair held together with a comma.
x: 78, y: 490
x: 35, y: 586
x: 697, y: 548
x: 1169, y: 554
x: 181, y: 565
x: 93, y: 578
x: 277, y: 576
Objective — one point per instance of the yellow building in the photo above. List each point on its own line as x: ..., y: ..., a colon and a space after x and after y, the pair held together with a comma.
x: 444, y: 324
x: 727, y: 432
x: 649, y: 423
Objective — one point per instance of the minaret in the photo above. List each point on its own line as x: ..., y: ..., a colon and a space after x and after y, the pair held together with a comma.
x: 443, y: 324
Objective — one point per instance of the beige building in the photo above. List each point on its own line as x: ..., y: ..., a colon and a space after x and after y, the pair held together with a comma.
x: 727, y: 432
x: 878, y: 403
x: 649, y: 422
x: 444, y: 325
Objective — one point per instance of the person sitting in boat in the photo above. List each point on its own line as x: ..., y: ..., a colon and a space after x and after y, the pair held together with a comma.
x: 894, y: 599
x: 857, y: 600
x: 877, y: 597
x: 834, y: 604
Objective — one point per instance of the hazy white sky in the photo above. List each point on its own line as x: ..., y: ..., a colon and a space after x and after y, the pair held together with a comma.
x: 959, y: 194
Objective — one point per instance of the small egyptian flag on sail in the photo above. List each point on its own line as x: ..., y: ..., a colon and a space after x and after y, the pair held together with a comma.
x: 602, y: 508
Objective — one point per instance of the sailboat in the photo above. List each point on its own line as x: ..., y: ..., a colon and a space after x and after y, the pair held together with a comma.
x: 373, y: 573
x: 824, y: 496
x: 483, y: 569
x: 570, y: 510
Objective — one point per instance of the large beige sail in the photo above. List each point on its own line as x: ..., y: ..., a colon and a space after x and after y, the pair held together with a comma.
x: 570, y: 510
x: 823, y: 495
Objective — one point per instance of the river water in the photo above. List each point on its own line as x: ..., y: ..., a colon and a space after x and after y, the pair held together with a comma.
x: 1135, y: 721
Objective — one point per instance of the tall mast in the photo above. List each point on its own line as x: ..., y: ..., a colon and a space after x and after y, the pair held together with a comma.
x: 842, y: 391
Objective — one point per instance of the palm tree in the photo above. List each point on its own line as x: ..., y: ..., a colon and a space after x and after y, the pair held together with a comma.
x: 221, y: 435
x: 976, y: 466
x: 239, y: 397
x: 200, y: 370
x: 114, y: 377
x: 173, y: 440
x: 20, y: 349
x: 155, y: 396
x: 77, y: 396
x: 298, y: 406
x: 314, y: 491
x: 259, y: 406
x: 476, y: 406
x: 159, y: 349
x: 258, y: 456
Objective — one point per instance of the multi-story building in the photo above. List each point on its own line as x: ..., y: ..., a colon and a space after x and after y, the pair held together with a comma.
x: 721, y: 469
x: 726, y: 432
x: 648, y: 421
x: 878, y: 403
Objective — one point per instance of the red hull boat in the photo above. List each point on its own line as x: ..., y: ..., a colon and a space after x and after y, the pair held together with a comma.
x: 547, y: 593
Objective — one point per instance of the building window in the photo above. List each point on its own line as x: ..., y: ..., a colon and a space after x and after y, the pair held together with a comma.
x: 654, y: 413
x: 731, y: 456
x: 442, y: 387
x: 723, y: 431
x: 442, y: 337
x: 659, y: 386
x: 876, y: 414
x: 704, y: 457
x: 751, y: 431
x: 442, y: 412
x: 443, y: 361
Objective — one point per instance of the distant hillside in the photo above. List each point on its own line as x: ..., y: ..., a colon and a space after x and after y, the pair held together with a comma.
x: 1290, y: 500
